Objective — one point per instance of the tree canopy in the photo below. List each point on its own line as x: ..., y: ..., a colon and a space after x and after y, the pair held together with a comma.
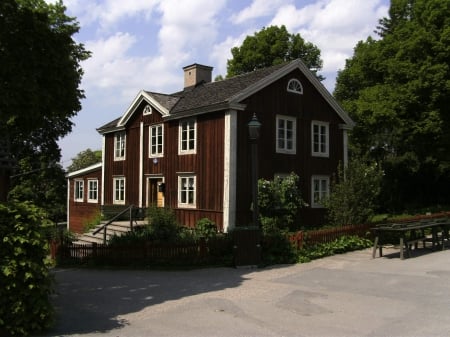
x: 84, y: 159
x: 397, y: 89
x: 270, y: 46
x: 39, y: 83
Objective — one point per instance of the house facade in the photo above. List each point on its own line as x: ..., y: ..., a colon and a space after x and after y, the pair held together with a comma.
x: 190, y: 150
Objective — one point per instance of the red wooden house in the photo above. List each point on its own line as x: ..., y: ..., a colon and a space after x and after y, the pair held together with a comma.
x: 190, y: 150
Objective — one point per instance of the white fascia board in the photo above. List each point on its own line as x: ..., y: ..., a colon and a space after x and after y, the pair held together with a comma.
x: 84, y: 170
x: 142, y: 96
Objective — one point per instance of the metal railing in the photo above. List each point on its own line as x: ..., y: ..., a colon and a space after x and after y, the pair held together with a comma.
x: 117, y: 216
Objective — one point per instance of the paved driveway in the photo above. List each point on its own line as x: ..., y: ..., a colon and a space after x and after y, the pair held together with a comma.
x: 343, y: 295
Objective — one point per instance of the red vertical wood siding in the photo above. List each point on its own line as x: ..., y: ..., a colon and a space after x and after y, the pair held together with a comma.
x: 82, y: 212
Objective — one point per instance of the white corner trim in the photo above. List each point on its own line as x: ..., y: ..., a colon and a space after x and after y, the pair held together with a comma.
x: 229, y: 182
x: 141, y: 162
x: 102, y: 199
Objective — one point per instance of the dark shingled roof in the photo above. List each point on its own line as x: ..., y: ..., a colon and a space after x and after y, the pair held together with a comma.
x: 167, y: 101
x: 208, y: 94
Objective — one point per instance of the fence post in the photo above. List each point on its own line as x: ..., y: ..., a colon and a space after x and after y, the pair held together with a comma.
x: 131, y: 217
x: 94, y: 250
x: 203, y: 249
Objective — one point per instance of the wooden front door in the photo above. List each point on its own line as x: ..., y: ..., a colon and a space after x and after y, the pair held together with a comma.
x: 155, y: 192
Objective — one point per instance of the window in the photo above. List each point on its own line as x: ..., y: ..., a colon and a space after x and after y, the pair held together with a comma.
x: 286, y: 134
x: 320, y: 190
x: 186, y: 191
x: 119, y: 190
x: 320, y: 132
x: 92, y: 190
x: 119, y: 146
x: 156, y: 140
x: 147, y: 110
x: 295, y: 86
x: 187, y: 136
x: 79, y: 190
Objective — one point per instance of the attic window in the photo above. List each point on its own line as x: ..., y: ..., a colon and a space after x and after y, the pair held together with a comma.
x: 147, y: 110
x: 295, y: 86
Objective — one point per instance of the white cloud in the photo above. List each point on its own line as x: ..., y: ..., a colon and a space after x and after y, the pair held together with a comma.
x: 258, y: 8
x: 335, y: 26
x: 188, y: 28
x: 107, y: 13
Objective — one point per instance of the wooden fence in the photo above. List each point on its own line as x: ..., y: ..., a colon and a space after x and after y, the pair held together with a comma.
x: 200, y: 252
x: 310, y: 238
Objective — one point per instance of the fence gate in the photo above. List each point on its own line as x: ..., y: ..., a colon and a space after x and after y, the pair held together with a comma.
x: 247, y: 246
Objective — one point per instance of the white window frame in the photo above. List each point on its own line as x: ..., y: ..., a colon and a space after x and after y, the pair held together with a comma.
x: 91, y: 183
x: 152, y: 137
x: 295, y: 86
x: 322, y: 141
x: 119, y: 191
x: 183, y: 193
x: 184, y: 135
x: 120, y: 141
x: 323, y: 190
x: 78, y: 190
x: 284, y: 149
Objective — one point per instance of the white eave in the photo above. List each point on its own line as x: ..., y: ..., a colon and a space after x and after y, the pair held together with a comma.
x: 142, y: 96
x: 252, y: 89
x: 85, y: 170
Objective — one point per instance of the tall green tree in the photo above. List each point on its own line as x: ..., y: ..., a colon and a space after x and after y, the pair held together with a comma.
x: 84, y: 159
x: 397, y: 89
x: 270, y: 46
x: 40, y: 75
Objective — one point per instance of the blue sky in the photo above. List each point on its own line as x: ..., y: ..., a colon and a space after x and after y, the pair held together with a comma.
x: 144, y: 44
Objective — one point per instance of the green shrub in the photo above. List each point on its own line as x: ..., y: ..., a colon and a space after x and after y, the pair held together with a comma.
x: 279, y: 203
x: 341, y: 245
x: 25, y: 281
x: 163, y: 224
x: 205, y: 228
x: 277, y: 249
x: 354, y: 193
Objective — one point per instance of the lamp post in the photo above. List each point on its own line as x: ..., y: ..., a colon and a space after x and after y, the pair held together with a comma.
x: 254, y: 127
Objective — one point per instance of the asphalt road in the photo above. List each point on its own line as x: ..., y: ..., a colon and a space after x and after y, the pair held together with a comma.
x: 344, y: 295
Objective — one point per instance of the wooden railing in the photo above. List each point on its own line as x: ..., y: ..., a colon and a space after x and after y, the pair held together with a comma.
x: 132, y: 218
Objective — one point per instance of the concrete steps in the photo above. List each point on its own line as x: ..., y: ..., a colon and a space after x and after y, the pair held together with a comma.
x: 115, y: 228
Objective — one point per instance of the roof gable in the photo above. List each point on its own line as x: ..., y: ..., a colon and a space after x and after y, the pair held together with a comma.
x: 296, y: 64
x: 150, y: 98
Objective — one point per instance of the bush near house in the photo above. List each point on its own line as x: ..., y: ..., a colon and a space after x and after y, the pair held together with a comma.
x: 25, y: 281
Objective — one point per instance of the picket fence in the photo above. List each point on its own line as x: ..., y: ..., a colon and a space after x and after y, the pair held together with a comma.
x: 310, y: 238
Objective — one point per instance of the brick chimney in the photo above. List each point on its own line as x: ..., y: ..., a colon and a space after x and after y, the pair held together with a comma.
x: 196, y: 73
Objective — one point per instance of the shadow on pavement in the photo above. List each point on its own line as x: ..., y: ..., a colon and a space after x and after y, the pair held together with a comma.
x: 88, y: 300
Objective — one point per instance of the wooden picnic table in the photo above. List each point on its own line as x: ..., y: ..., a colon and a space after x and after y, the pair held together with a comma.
x: 412, y: 233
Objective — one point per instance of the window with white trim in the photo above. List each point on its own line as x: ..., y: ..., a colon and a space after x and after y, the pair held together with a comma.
x: 119, y: 145
x: 92, y: 190
x: 320, y: 189
x: 295, y: 86
x: 320, y: 139
x: 187, y: 136
x: 186, y: 191
x: 156, y: 140
x: 286, y: 134
x: 78, y: 190
x: 119, y: 190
